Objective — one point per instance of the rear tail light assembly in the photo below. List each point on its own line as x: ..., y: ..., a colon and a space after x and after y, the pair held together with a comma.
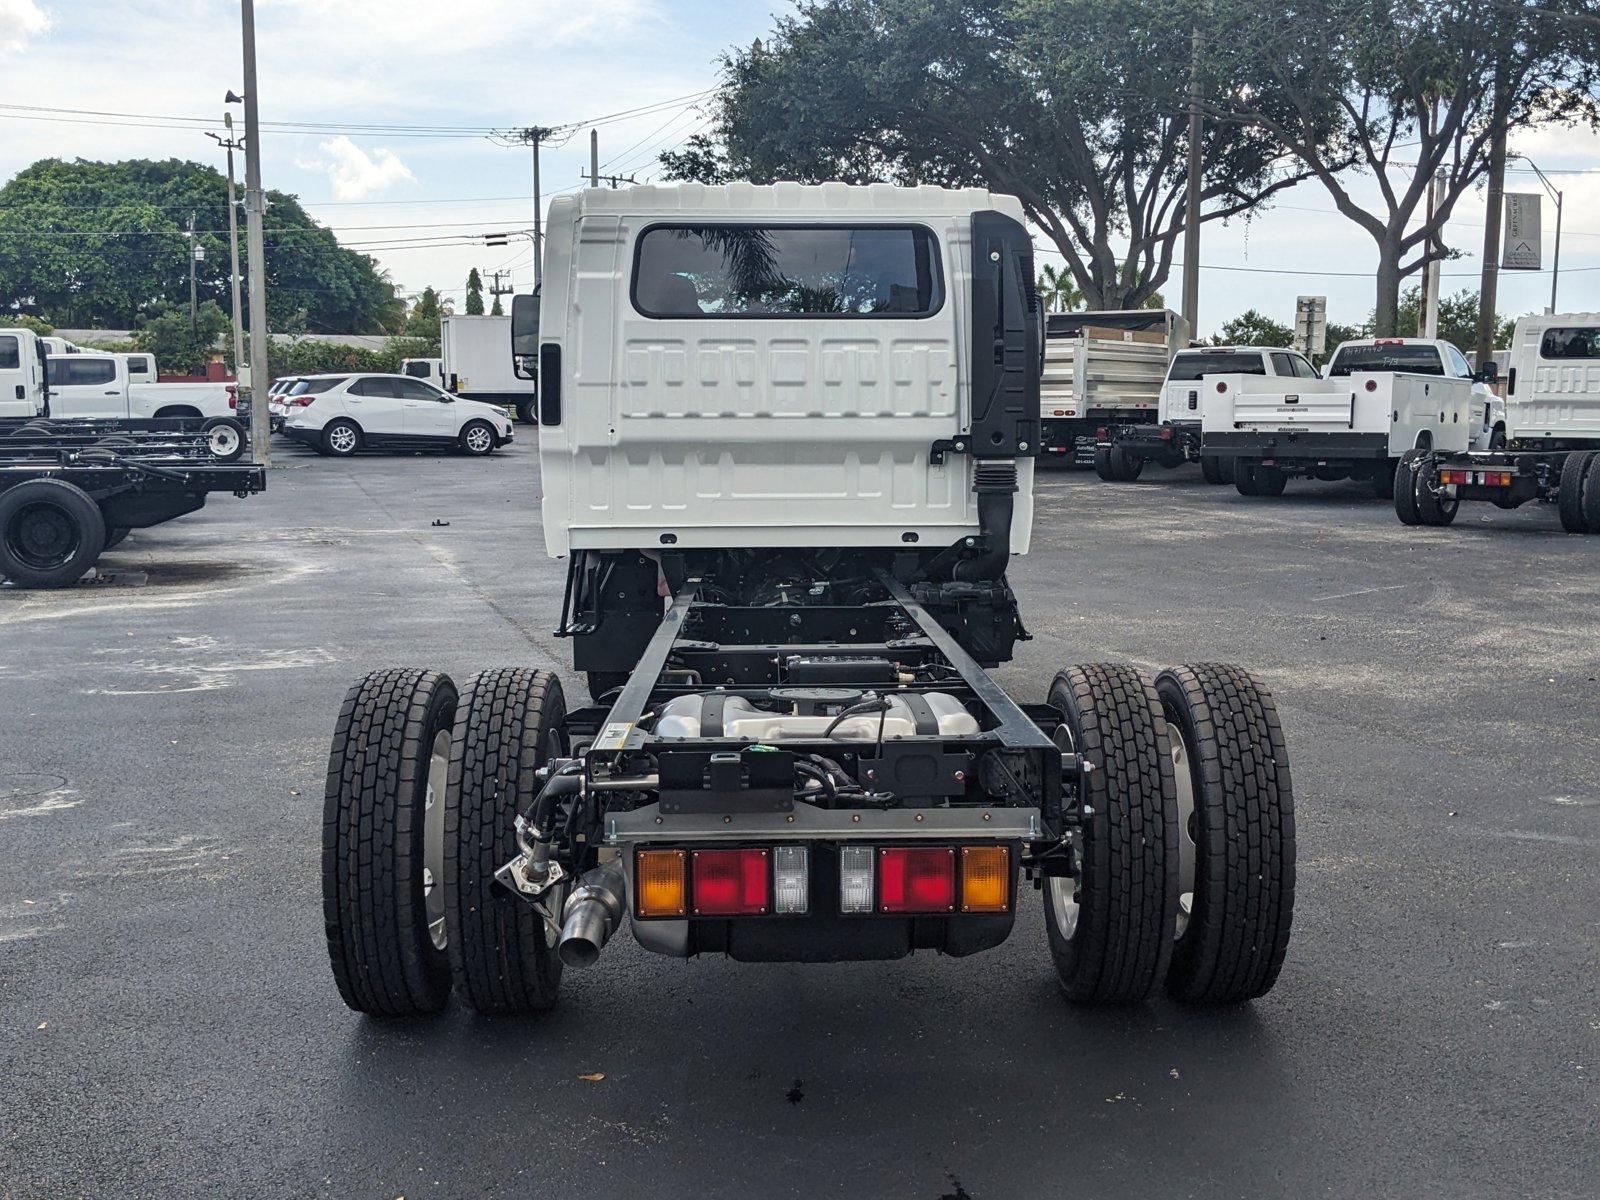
x: 759, y: 881
x: 1448, y: 478
x: 302, y: 401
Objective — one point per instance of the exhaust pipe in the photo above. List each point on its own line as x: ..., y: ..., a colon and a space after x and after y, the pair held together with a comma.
x: 593, y: 913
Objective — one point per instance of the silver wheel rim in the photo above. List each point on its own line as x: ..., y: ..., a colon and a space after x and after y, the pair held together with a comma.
x: 477, y: 439
x: 1187, y: 849
x: 342, y: 438
x: 433, y: 838
x: 1063, y: 891
x: 224, y: 440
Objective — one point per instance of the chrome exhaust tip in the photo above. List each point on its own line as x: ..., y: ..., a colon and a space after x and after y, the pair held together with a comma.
x: 592, y: 913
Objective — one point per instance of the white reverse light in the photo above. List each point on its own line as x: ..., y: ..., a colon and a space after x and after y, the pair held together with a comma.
x: 855, y: 879
x: 791, y: 879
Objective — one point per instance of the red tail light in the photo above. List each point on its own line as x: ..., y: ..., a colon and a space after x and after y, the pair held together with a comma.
x: 731, y: 883
x: 302, y: 401
x: 1222, y: 387
x: 919, y: 879
x: 1166, y: 433
x: 1372, y: 385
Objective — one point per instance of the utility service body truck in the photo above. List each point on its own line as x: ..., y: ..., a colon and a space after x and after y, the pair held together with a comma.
x: 475, y: 364
x: 1101, y: 369
x: 1551, y: 448
x: 1379, y: 398
x: 787, y: 445
x: 1174, y: 438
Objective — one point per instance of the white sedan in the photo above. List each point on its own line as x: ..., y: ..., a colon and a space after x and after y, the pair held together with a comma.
x: 340, y: 414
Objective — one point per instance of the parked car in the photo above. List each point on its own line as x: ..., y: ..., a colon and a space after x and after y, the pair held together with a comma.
x: 339, y: 414
x: 278, y: 401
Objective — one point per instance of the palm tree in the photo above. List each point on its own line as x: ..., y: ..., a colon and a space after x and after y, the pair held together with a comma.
x: 1057, y: 291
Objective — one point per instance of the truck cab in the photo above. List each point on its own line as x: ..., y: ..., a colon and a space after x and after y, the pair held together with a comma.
x: 1175, y: 438
x: 1548, y: 445
x: 429, y: 370
x: 22, y: 373
x: 786, y: 439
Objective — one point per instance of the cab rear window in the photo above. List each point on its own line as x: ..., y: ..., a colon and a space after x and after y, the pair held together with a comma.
x: 1187, y: 368
x: 1411, y: 360
x: 10, y: 355
x: 1570, y: 343
x: 740, y: 270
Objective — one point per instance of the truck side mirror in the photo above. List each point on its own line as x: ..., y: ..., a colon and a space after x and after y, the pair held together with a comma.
x: 524, y: 334
x: 1489, y: 372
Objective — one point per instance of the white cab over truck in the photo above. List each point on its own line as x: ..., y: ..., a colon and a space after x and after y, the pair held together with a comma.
x: 1379, y: 398
x: 429, y: 370
x: 786, y: 439
x: 85, y: 386
x: 1103, y: 369
x: 476, y: 364
x: 1174, y: 438
x: 1550, y: 451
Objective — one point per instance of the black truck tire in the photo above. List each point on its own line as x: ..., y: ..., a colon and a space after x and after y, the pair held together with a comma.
x: 382, y: 821
x: 1104, y: 465
x: 1244, y: 477
x: 1211, y: 469
x: 1234, y: 931
x: 507, y: 727
x: 51, y: 533
x: 1569, y: 496
x: 528, y: 411
x: 1110, y: 928
x: 1591, y: 495
x: 1433, y: 507
x: 1405, y: 488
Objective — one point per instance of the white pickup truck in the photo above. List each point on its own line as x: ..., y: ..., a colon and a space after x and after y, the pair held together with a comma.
x: 1549, y: 448
x: 1175, y: 437
x: 1378, y: 399
x: 85, y: 386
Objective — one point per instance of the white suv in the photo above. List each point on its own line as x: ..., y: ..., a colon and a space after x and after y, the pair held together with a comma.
x: 339, y: 414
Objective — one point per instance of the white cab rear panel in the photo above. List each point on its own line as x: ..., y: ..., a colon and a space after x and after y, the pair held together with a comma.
x: 1556, y: 393
x: 741, y: 431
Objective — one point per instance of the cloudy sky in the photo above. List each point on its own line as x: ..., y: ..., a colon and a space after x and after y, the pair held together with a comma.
x: 416, y: 199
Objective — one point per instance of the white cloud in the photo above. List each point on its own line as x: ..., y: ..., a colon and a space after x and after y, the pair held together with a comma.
x: 355, y: 173
x: 20, y: 22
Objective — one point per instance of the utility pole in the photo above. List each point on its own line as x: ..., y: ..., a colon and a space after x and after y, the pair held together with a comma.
x: 1428, y: 318
x: 231, y: 144
x: 533, y: 136
x: 613, y: 181
x: 1191, y: 209
x: 255, y: 242
x: 194, y: 303
x: 594, y: 158
x: 1488, y: 290
x: 495, y: 289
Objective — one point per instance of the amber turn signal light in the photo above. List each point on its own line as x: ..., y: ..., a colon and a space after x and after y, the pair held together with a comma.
x: 659, y: 883
x: 985, y: 879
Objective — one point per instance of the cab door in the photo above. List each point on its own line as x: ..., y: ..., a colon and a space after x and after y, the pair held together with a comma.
x: 19, y: 377
x: 86, y: 385
x: 426, y: 412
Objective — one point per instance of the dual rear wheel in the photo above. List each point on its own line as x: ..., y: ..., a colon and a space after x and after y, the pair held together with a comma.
x: 423, y: 790
x: 1183, y: 873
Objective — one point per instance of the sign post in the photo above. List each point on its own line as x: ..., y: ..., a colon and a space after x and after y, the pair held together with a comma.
x: 1311, y: 325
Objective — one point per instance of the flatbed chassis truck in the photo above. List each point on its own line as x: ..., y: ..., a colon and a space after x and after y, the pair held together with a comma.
x: 70, y: 491
x: 794, y: 750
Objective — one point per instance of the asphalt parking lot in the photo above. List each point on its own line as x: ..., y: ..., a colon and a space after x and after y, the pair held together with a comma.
x: 169, y: 1026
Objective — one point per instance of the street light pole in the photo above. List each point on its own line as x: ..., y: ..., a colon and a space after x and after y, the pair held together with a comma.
x: 1557, y: 196
x: 233, y: 244
x: 255, y: 243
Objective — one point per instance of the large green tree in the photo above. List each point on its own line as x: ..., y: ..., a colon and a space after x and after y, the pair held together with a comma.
x: 1406, y: 90
x: 474, y: 293
x: 1076, y: 107
x: 91, y: 243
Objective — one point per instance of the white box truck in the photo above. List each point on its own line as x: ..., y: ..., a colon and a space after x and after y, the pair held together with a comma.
x: 1379, y: 398
x: 1551, y: 448
x: 477, y: 364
